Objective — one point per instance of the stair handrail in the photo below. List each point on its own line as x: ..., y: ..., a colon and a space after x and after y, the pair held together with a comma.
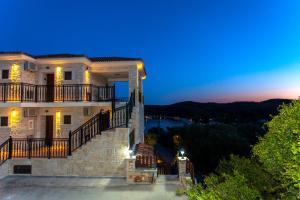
x: 5, y: 151
x: 85, y: 132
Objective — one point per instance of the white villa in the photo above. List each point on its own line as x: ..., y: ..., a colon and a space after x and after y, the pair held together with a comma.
x: 47, y: 96
x: 60, y: 116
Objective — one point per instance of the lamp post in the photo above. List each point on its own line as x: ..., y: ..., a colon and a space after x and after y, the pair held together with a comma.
x: 130, y: 151
x: 181, y: 151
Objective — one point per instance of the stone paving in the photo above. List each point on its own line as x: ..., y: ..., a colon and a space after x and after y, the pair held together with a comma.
x: 71, y: 188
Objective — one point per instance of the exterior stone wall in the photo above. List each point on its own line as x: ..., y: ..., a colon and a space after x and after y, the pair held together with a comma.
x: 4, y: 169
x: 76, y: 69
x: 7, y: 65
x: 18, y: 126
x: 39, y: 77
x: 4, y: 130
x: 103, y: 156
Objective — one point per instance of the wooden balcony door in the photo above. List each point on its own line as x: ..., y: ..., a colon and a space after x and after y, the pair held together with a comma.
x: 49, y: 129
x: 50, y: 87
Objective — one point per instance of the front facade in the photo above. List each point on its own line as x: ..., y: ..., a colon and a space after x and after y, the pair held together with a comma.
x: 60, y: 116
x: 50, y: 96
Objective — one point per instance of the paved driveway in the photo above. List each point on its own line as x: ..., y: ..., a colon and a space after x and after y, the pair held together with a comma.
x: 52, y: 188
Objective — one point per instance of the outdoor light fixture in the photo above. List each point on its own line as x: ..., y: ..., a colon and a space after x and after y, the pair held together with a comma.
x: 181, y: 152
x: 58, y: 75
x: 15, y: 74
x: 130, y: 151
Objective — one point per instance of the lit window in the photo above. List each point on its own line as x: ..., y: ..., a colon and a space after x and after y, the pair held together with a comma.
x: 68, y: 75
x: 5, y: 74
x: 67, y: 119
x: 4, y: 121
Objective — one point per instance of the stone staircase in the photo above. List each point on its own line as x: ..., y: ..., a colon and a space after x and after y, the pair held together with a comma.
x: 102, y: 156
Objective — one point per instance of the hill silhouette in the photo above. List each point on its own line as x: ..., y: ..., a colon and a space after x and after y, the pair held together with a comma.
x: 222, y: 112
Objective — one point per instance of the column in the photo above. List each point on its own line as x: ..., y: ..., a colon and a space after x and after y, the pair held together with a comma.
x: 130, y: 169
x: 138, y: 113
x: 182, y: 168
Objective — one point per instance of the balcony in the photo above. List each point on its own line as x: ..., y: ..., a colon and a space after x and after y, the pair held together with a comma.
x: 23, y: 92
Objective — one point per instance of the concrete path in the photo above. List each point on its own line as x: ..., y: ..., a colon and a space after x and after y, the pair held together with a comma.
x: 52, y: 188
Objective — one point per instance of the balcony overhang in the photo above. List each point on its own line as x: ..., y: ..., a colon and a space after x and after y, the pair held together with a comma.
x: 118, y: 70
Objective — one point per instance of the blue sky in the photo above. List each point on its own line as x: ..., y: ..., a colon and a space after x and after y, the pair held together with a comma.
x: 202, y: 50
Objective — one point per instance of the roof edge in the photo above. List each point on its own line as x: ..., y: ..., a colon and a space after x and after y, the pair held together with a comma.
x: 67, y: 55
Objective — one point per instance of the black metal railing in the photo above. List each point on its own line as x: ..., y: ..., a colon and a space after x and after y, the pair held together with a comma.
x: 88, y: 130
x: 122, y: 99
x: 33, y: 148
x: 23, y: 92
x: 101, y: 122
x: 4, y: 151
x: 121, y: 115
x: 63, y: 147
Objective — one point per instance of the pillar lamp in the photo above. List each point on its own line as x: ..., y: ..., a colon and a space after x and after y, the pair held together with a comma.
x: 130, y: 151
x: 181, y: 151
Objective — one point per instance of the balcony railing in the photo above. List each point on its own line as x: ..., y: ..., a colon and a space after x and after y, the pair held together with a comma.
x: 23, y: 92
x: 63, y: 147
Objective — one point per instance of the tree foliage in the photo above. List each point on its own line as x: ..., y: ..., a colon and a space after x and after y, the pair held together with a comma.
x: 150, y: 139
x: 279, y: 150
x: 273, y: 171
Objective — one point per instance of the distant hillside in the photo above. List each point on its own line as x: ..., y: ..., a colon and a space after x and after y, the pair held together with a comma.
x: 224, y: 112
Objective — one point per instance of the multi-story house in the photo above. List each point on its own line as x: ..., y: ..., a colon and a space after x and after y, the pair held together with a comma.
x: 51, y: 106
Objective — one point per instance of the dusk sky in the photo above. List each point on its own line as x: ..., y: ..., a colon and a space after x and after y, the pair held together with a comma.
x: 204, y: 50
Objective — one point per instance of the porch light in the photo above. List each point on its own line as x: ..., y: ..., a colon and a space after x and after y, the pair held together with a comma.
x: 87, y: 76
x: 182, y: 153
x: 57, y: 123
x: 130, y: 151
x: 140, y: 66
x: 14, y: 121
x: 13, y: 113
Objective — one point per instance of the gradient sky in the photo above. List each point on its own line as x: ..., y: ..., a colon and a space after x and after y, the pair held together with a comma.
x: 202, y: 50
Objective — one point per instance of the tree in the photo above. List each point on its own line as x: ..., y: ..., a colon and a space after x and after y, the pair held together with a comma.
x: 279, y: 150
x: 233, y: 187
x: 273, y: 172
x: 150, y: 139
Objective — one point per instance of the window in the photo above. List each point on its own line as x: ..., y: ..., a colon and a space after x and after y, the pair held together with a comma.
x: 67, y: 119
x: 5, y: 74
x: 68, y: 75
x: 4, y: 121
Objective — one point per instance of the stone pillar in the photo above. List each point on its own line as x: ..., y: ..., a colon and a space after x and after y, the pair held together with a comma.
x: 130, y: 169
x: 135, y: 84
x: 182, y: 168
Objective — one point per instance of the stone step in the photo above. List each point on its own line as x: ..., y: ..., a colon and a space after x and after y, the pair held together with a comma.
x: 167, y: 178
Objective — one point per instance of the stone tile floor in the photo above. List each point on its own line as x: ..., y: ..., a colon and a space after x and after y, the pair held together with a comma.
x: 70, y: 188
